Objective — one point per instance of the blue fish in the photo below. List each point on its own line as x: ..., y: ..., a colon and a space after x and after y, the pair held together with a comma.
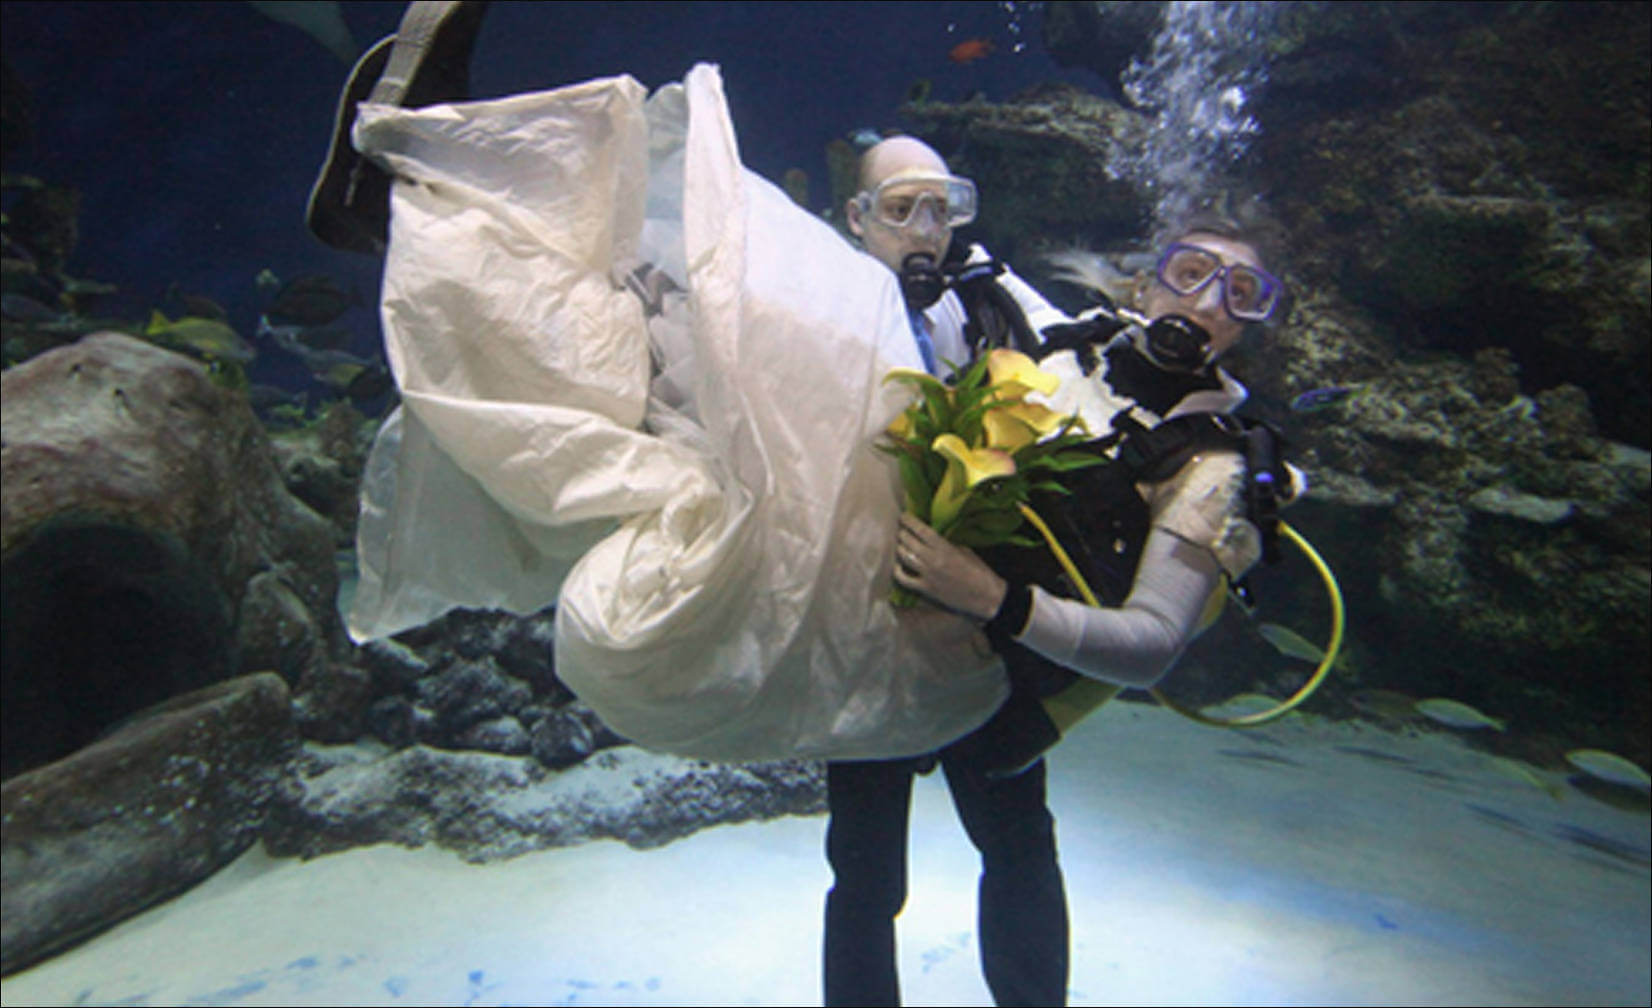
x: 1321, y: 398
x: 865, y: 137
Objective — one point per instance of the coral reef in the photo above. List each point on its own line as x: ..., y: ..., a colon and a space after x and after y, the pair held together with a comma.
x: 1466, y: 227
x: 1494, y: 193
x: 1035, y: 161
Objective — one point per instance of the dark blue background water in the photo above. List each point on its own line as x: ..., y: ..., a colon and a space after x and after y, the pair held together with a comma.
x: 194, y: 130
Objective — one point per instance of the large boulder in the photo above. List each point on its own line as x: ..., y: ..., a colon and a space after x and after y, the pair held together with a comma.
x: 147, y: 544
x: 155, y: 807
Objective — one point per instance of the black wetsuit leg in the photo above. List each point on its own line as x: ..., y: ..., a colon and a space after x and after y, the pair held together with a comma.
x: 869, y: 803
x: 1022, y: 901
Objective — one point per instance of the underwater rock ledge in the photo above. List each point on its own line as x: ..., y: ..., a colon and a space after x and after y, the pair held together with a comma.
x: 139, y: 816
x: 490, y: 807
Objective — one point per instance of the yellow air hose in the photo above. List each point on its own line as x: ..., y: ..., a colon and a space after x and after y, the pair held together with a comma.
x: 1072, y: 704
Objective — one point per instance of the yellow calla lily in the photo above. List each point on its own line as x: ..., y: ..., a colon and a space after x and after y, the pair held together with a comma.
x: 1014, y: 374
x: 1014, y: 426
x: 965, y: 468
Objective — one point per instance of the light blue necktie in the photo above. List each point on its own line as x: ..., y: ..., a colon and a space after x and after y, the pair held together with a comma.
x: 926, y: 346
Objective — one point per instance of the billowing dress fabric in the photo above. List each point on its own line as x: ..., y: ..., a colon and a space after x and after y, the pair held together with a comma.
x: 697, y: 491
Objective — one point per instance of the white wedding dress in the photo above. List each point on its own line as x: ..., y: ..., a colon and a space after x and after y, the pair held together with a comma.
x: 696, y: 491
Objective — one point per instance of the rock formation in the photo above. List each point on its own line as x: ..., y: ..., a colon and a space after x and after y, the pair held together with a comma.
x: 148, y: 544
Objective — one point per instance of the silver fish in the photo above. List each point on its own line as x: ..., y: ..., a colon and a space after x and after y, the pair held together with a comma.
x: 1456, y: 714
x: 1609, y: 767
x: 1290, y: 643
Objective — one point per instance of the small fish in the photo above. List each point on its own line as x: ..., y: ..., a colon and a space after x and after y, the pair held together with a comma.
x: 80, y: 287
x: 970, y: 50
x: 351, y: 376
x: 310, y: 300
x: 370, y: 383
x: 1317, y: 399
x: 1290, y: 643
x: 197, y: 305
x: 325, y: 337
x: 343, y: 374
x: 1239, y: 706
x: 1609, y: 767
x: 267, y: 281
x: 1455, y: 714
x: 205, y: 336
x: 919, y: 90
x: 319, y: 349
x: 865, y: 137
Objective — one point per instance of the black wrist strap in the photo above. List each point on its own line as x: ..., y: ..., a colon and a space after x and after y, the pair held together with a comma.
x: 1012, y: 614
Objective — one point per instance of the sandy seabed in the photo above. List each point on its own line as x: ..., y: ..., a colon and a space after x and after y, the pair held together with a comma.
x: 1302, y: 863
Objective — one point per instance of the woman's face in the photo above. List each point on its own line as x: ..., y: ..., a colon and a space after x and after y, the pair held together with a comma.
x: 1204, y: 306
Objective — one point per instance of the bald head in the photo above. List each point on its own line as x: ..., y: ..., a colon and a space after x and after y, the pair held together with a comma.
x: 895, y: 156
x: 889, y: 159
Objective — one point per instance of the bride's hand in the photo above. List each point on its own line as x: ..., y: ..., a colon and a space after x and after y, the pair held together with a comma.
x: 949, y: 575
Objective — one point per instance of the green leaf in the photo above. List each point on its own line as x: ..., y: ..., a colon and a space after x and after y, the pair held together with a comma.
x: 1068, y: 461
x: 975, y: 377
x: 919, y: 491
x: 938, y: 410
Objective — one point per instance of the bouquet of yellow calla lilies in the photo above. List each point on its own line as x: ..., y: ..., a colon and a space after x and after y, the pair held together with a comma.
x: 970, y: 454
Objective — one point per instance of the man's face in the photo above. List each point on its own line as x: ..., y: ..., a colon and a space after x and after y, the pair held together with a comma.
x: 1204, y: 305
x: 911, y: 197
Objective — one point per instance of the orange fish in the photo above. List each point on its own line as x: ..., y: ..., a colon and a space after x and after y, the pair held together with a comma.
x: 969, y: 51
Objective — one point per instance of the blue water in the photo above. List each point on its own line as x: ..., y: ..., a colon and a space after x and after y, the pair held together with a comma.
x: 194, y: 130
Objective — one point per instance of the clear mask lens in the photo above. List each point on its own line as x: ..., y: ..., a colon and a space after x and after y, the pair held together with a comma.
x: 936, y: 200
x: 1248, y: 293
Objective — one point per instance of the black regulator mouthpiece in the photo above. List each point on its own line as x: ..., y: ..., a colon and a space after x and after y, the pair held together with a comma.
x: 922, y: 283
x: 1177, y: 343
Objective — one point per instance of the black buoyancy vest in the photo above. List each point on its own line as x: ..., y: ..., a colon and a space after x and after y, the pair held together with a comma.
x: 1103, y: 521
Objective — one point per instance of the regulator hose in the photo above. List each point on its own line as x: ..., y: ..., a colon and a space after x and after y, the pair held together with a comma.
x: 1085, y: 695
